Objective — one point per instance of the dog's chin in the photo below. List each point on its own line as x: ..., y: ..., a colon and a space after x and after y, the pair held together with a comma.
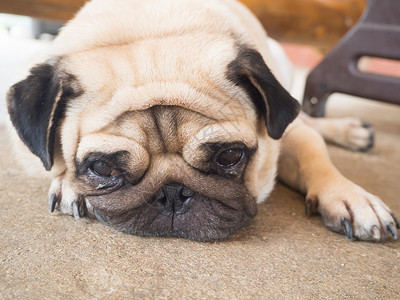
x: 200, y: 219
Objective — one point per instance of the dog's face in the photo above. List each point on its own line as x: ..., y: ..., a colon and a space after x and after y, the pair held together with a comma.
x: 153, y: 142
x: 168, y: 170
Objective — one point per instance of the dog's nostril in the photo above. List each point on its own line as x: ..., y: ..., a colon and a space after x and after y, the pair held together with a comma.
x: 174, y: 198
x: 186, y: 192
x: 184, y: 206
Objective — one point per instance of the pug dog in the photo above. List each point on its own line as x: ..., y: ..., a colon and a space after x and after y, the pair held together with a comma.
x: 168, y: 118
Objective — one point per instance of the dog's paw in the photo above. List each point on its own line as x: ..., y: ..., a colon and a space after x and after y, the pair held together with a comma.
x: 62, y: 197
x: 358, y: 136
x: 348, y: 209
x: 350, y: 133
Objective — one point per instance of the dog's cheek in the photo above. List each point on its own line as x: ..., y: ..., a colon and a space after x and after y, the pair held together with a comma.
x: 261, y: 171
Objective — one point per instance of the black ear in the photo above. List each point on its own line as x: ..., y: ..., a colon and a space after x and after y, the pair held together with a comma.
x: 278, y: 108
x: 36, y: 104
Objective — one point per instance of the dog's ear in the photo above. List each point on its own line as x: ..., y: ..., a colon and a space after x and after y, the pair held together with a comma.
x: 35, y: 106
x: 250, y: 72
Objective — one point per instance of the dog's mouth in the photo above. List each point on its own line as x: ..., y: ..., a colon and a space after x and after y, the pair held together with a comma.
x: 176, y: 210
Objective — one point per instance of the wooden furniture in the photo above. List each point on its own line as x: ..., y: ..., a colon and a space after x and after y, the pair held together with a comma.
x: 377, y: 34
x: 319, y: 23
x: 52, y: 10
x: 312, y: 22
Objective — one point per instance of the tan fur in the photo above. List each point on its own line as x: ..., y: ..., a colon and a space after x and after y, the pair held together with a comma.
x: 141, y: 96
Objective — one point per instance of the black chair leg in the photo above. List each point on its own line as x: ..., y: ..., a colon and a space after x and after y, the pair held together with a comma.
x: 377, y: 34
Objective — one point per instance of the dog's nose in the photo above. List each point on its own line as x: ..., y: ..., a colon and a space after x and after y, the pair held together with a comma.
x: 174, y: 198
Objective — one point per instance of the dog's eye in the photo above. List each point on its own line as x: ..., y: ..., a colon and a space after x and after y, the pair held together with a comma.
x: 103, y: 169
x: 229, y: 157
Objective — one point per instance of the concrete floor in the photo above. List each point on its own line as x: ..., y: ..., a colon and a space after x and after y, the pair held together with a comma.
x: 281, y: 255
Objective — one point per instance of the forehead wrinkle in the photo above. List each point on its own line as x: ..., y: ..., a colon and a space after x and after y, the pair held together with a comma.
x: 116, y: 126
x: 159, y: 128
x: 159, y: 132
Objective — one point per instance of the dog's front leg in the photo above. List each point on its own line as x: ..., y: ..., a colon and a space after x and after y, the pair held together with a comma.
x: 344, y: 206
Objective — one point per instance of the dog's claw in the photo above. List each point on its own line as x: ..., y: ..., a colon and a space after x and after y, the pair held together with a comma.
x: 393, y: 231
x: 366, y: 125
x: 311, y: 205
x: 395, y: 220
x: 98, y: 217
x: 346, y: 224
x: 79, y: 208
x: 53, y: 202
x: 75, y: 210
x: 371, y: 141
x: 308, y: 207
